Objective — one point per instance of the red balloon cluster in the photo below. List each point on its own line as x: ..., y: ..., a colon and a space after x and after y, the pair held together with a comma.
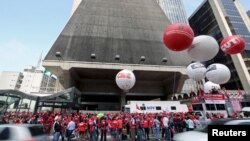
x: 178, y: 36
x: 232, y: 44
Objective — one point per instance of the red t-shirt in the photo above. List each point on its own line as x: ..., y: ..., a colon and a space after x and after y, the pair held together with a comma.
x: 119, y: 123
x: 115, y: 124
x: 104, y: 124
x: 151, y: 122
x: 81, y: 126
x: 145, y: 124
x: 91, y: 125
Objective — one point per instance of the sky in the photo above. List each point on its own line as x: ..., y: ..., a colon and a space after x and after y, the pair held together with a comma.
x: 28, y: 28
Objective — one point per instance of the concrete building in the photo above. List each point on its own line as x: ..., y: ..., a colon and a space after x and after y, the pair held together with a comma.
x: 103, y: 37
x: 30, y: 81
x: 75, y: 6
x: 220, y: 19
x: 36, y: 81
x: 10, y: 80
x: 174, y: 10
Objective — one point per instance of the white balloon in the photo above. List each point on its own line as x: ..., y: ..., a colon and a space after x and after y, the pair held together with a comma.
x: 203, y: 48
x: 196, y: 71
x: 208, y: 86
x: 218, y: 73
x: 125, y: 79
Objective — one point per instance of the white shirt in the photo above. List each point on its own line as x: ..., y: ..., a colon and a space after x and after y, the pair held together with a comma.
x: 165, y: 121
x: 71, y: 125
x: 190, y: 123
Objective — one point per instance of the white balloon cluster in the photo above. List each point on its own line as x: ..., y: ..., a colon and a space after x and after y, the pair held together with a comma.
x: 208, y: 86
x: 196, y: 71
x: 205, y: 48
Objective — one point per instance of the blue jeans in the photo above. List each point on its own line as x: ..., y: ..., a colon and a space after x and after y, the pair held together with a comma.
x: 56, y: 136
x: 167, y: 134
x: 157, y: 133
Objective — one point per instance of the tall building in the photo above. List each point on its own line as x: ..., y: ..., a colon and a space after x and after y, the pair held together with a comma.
x: 10, y: 80
x: 75, y: 6
x: 103, y: 37
x: 174, y: 10
x: 29, y: 81
x: 35, y: 81
x: 220, y: 19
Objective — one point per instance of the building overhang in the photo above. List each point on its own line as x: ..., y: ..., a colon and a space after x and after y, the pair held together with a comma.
x: 56, y: 65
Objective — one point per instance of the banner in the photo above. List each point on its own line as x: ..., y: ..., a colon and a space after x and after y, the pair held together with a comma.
x: 214, y: 99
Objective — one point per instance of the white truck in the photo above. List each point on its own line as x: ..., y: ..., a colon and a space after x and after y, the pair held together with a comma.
x: 155, y: 107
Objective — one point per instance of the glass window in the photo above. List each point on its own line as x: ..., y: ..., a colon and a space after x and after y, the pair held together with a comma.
x: 220, y: 107
x: 173, y: 107
x: 36, y: 130
x: 210, y: 107
x: 197, y: 107
x: 158, y: 108
x: 5, y: 134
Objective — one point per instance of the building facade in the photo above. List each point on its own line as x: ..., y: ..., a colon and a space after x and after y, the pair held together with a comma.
x: 174, y: 10
x: 103, y: 37
x: 36, y: 81
x: 10, y: 80
x: 220, y: 19
x: 30, y: 81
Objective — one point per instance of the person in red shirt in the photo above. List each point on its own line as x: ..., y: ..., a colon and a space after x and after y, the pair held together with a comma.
x: 145, y: 126
x: 91, y: 128
x: 115, y: 128
x: 120, y: 126
x: 103, y: 125
x: 151, y: 125
x: 81, y: 129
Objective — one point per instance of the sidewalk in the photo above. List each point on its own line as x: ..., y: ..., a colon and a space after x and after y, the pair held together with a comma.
x: 108, y: 138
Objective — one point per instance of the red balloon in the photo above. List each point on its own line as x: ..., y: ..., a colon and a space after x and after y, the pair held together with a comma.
x: 232, y: 44
x: 178, y: 36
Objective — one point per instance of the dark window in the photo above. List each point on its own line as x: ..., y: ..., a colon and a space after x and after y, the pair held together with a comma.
x: 210, y: 107
x: 36, y: 130
x: 5, y: 134
x: 220, y: 107
x: 173, y: 108
x: 245, y: 104
x: 197, y: 107
x: 158, y: 108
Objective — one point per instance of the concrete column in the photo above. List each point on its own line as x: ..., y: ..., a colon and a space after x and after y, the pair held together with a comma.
x: 123, y: 99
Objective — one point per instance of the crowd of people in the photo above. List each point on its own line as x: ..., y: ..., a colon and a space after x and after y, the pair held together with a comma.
x: 119, y: 125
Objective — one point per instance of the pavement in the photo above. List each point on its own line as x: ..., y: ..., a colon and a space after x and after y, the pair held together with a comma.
x: 109, y: 138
